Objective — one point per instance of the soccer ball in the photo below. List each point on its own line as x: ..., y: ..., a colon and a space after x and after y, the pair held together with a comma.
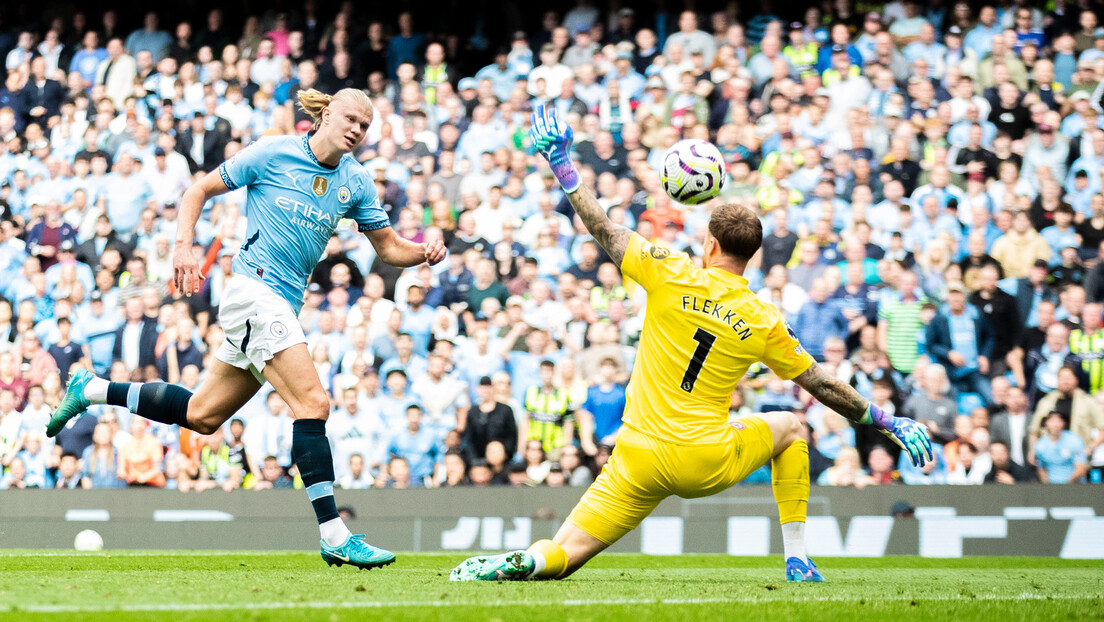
x: 693, y: 171
x: 88, y: 540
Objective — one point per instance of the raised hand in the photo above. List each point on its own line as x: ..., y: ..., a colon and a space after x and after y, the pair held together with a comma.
x: 552, y: 139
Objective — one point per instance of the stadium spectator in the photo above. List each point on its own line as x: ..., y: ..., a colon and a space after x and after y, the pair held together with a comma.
x: 136, y: 340
x: 269, y: 434
x: 818, y: 319
x: 1081, y: 414
x: 489, y: 421
x: 356, y: 477
x: 272, y: 475
x: 551, y: 418
x: 963, y: 344
x: 1004, y: 470
x: 99, y: 461
x: 419, y: 449
x: 1010, y: 427
x: 1059, y: 453
x: 140, y: 458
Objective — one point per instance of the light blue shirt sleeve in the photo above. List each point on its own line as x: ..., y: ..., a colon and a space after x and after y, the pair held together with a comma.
x: 246, y: 166
x: 366, y: 211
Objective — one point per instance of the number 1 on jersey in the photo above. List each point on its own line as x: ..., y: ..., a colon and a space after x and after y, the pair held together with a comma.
x: 705, y: 341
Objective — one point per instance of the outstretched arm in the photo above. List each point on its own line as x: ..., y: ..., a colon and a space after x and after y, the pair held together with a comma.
x: 840, y: 397
x: 552, y: 139
x: 403, y: 253
x: 187, y: 276
x: 833, y: 393
x: 612, y: 236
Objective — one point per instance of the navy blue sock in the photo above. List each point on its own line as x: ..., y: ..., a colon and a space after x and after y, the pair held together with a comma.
x: 310, y: 451
x: 156, y: 401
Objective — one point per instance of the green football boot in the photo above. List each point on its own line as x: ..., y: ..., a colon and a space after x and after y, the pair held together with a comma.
x: 73, y: 404
x: 356, y: 552
x: 512, y: 566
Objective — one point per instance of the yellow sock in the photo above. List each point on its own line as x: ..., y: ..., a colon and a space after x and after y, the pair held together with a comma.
x: 555, y: 559
x: 790, y: 481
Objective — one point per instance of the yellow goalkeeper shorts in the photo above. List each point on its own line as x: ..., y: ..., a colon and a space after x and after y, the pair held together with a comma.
x: 644, y: 470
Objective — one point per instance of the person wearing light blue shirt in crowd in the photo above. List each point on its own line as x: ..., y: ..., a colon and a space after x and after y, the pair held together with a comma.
x: 818, y: 319
x: 980, y: 38
x: 631, y: 82
x: 501, y: 74
x: 524, y: 367
x: 929, y: 49
x: 418, y: 319
x: 941, y: 188
x: 520, y: 58
x: 395, y: 399
x: 127, y: 195
x: 405, y: 359
x: 959, y: 134
x: 761, y: 65
x: 418, y: 445
x: 930, y: 222
x: 1062, y: 233
x: 87, y: 59
x: 149, y: 38
x: 484, y: 134
x: 1060, y: 454
x: 606, y: 403
x: 1080, y: 189
x: 934, y: 472
x: 99, y: 325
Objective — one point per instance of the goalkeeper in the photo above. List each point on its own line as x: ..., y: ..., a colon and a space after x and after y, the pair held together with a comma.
x: 702, y: 330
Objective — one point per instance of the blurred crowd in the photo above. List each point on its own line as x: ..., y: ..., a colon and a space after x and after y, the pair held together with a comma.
x: 929, y: 176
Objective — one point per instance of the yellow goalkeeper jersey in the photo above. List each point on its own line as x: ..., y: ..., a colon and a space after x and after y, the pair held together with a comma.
x: 703, y: 328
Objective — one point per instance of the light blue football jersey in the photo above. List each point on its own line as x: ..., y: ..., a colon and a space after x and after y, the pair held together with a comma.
x: 293, y: 204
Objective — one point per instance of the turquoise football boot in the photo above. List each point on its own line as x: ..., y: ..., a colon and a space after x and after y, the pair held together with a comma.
x: 356, y: 552
x: 796, y: 570
x: 73, y: 404
x: 512, y: 566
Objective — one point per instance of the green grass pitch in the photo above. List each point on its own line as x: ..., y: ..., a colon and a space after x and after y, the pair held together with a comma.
x: 209, y: 586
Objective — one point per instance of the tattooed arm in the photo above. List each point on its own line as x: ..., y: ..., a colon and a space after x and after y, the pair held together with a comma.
x: 833, y: 393
x: 613, y: 237
x: 840, y: 397
x: 552, y: 139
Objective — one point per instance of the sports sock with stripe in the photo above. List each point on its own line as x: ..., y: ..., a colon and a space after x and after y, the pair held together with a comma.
x: 156, y: 401
x: 790, y: 481
x: 310, y: 451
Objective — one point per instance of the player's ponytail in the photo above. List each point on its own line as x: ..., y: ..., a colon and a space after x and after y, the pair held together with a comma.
x: 313, y: 102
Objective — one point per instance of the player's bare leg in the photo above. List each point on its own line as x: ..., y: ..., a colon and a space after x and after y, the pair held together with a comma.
x: 578, y: 548
x: 225, y: 390
x: 790, y: 481
x: 291, y: 373
x: 221, y: 394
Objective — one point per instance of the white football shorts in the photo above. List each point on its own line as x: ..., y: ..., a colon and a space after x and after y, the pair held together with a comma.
x: 258, y: 323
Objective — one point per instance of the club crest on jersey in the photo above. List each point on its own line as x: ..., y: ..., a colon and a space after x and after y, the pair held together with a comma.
x: 278, y: 329
x: 319, y: 185
x: 343, y: 195
x: 656, y: 252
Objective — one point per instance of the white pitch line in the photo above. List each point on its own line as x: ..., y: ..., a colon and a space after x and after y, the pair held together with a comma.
x: 169, y: 607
